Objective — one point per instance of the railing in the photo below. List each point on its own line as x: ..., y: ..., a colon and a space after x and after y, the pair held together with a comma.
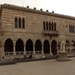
x: 29, y: 52
x: 22, y: 53
x: 19, y: 52
x: 50, y: 32
x: 38, y: 52
x: 8, y: 53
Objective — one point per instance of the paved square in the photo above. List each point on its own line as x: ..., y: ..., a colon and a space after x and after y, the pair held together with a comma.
x: 45, y: 67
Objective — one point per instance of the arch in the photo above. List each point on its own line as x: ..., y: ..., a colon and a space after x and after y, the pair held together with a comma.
x: 54, y: 47
x: 29, y: 45
x: 19, y: 45
x: 38, y: 45
x: 8, y: 46
x: 46, y: 47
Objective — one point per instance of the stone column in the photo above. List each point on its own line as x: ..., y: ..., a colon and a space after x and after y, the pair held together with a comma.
x: 70, y: 47
x: 50, y: 50
x: 2, y: 53
x: 34, y: 49
x: 57, y: 49
x: 42, y: 50
x: 24, y: 49
x: 14, y: 51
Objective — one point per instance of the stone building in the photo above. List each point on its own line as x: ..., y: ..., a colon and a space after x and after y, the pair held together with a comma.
x: 25, y: 31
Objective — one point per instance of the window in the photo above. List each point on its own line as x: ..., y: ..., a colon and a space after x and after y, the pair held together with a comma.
x: 23, y: 23
x: 15, y: 22
x: 43, y: 25
x: 19, y: 22
x: 46, y: 25
x: 54, y: 26
x: 49, y: 25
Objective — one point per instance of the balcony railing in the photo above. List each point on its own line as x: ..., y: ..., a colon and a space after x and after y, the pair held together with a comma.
x: 38, y: 52
x: 29, y: 52
x: 50, y: 32
x: 8, y: 53
x: 19, y: 53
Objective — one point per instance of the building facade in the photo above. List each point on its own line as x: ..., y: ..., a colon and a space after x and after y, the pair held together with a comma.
x: 25, y: 31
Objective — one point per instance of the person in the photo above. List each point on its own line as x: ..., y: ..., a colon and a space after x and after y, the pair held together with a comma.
x: 43, y: 57
x: 25, y: 57
x: 30, y: 57
x: 3, y: 58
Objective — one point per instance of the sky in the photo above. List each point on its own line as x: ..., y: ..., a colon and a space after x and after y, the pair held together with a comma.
x: 64, y: 7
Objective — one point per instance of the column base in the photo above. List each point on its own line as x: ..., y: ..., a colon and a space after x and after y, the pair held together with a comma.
x: 63, y: 57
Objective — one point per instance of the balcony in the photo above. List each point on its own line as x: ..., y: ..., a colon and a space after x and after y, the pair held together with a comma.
x: 51, y: 33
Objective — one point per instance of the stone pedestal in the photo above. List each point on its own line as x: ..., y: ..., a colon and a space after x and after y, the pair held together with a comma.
x: 63, y: 57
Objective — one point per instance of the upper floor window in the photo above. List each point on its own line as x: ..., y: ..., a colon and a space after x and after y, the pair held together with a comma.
x: 19, y: 23
x: 43, y: 25
x: 49, y: 26
x: 46, y: 25
x: 16, y: 22
x: 23, y: 23
x: 54, y: 26
x: 71, y: 28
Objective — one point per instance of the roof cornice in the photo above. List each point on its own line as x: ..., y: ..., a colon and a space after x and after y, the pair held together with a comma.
x: 14, y: 7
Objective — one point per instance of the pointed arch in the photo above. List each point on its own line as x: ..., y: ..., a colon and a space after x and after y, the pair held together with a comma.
x: 38, y: 45
x: 29, y: 45
x: 19, y: 45
x: 8, y: 46
x: 54, y: 47
x: 46, y: 47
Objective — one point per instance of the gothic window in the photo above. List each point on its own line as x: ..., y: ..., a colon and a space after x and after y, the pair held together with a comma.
x: 23, y: 23
x: 46, y: 25
x: 15, y: 22
x: 54, y: 26
x: 73, y: 29
x: 49, y: 25
x: 19, y: 22
x: 43, y: 25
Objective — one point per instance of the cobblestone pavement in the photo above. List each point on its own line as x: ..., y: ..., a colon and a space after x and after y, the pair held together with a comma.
x: 45, y: 67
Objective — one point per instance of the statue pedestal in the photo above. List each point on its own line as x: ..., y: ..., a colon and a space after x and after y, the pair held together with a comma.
x: 63, y: 57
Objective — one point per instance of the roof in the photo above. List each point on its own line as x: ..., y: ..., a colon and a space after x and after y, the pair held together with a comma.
x: 27, y: 9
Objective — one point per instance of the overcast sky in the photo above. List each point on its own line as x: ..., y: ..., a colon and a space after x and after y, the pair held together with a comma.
x: 66, y: 7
